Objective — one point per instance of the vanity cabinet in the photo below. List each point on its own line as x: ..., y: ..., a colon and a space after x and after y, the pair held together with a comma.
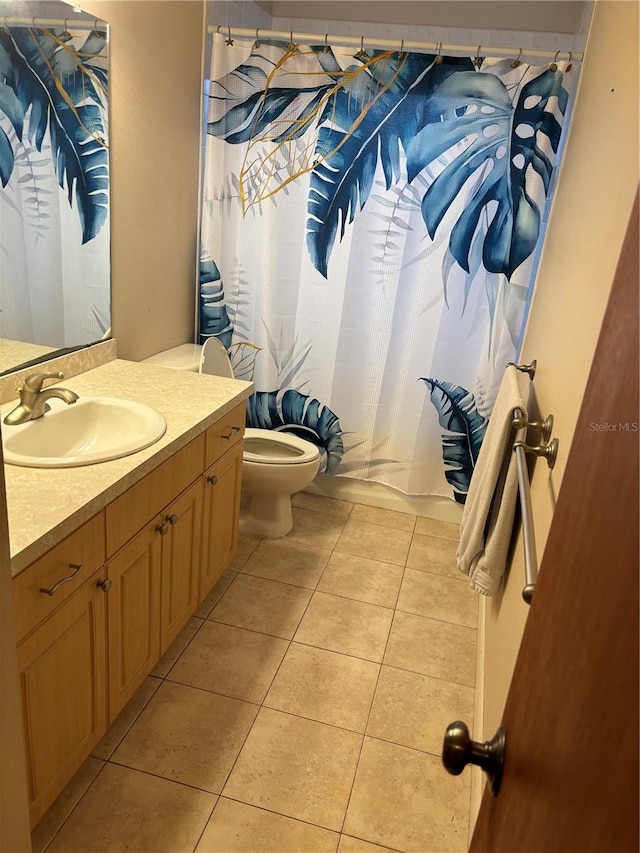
x: 221, y: 514
x: 95, y: 613
x: 62, y: 665
x: 134, y: 614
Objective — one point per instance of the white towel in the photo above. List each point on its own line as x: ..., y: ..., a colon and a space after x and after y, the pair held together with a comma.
x: 487, y: 519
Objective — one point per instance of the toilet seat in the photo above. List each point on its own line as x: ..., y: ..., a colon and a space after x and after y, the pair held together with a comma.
x: 270, y: 447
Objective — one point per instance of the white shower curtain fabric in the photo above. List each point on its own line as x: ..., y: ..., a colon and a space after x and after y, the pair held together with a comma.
x: 367, y: 256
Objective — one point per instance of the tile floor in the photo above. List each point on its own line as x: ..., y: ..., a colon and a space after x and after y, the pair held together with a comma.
x: 302, y: 708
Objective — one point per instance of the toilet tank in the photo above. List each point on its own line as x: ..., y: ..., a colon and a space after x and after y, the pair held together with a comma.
x: 183, y: 357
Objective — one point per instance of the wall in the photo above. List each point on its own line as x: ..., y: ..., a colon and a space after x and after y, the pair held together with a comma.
x: 586, y: 229
x: 522, y: 15
x: 155, y: 65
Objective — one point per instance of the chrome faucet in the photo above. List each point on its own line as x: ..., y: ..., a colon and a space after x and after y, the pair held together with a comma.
x: 33, y: 400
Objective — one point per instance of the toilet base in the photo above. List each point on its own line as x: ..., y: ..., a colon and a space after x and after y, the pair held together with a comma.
x: 267, y: 515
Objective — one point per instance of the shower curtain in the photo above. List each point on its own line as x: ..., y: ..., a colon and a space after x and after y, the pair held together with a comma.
x: 370, y: 225
x: 54, y: 226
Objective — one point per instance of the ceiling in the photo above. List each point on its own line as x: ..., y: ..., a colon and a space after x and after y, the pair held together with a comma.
x: 564, y: 16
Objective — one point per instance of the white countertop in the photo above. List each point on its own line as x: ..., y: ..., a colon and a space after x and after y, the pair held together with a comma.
x: 47, y: 504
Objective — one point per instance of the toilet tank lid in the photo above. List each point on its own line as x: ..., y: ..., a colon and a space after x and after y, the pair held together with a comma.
x: 183, y: 357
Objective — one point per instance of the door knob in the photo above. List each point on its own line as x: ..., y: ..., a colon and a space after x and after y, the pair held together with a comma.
x: 458, y: 750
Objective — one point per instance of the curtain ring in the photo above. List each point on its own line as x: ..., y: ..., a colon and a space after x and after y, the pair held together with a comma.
x: 477, y: 61
x: 292, y: 44
x: 229, y: 39
x: 326, y: 47
x: 516, y: 62
x: 439, y: 56
x: 95, y: 25
x: 570, y: 66
x: 257, y: 41
x: 33, y: 23
x: 554, y: 64
x: 361, y: 53
x: 218, y: 28
x: 401, y: 53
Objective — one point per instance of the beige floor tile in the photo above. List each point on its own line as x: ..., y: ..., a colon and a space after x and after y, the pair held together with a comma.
x: 383, y: 517
x: 231, y: 661
x: 362, y: 579
x: 246, y: 546
x: 403, y: 798
x: 296, y: 767
x: 346, y: 626
x: 218, y: 590
x: 430, y: 554
x: 126, y: 718
x: 375, y: 542
x: 125, y: 810
x: 356, y: 845
x: 262, y: 605
x: 441, y: 529
x: 414, y: 710
x: 324, y: 686
x: 239, y: 828
x: 64, y: 804
x: 434, y: 648
x: 288, y: 562
x: 177, y: 647
x: 320, y: 503
x: 187, y: 735
x: 439, y: 597
x: 319, y: 529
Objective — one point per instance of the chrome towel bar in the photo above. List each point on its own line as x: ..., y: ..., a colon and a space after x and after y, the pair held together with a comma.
x: 548, y: 449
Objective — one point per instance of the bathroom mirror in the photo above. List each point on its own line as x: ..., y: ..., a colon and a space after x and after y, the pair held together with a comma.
x: 55, y: 272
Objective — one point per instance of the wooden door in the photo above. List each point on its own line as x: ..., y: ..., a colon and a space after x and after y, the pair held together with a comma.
x: 134, y: 614
x: 181, y: 553
x: 62, y: 667
x: 221, y: 513
x: 571, y: 771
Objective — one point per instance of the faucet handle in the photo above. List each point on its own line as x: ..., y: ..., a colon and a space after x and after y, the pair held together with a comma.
x: 34, y: 381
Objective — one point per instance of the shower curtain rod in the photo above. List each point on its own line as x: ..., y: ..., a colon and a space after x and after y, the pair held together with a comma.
x: 405, y: 44
x: 41, y: 23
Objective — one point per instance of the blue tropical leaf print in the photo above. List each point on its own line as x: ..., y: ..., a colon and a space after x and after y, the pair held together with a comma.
x: 474, y: 110
x: 61, y: 91
x: 214, y: 318
x: 301, y: 415
x: 457, y: 413
x: 383, y: 105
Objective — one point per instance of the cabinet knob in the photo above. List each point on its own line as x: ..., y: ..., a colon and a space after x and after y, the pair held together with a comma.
x: 212, y: 479
x: 76, y: 568
x: 458, y: 750
x: 105, y: 585
x: 172, y: 519
x: 162, y: 529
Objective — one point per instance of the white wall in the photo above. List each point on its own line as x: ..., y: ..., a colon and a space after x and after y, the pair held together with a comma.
x: 588, y: 221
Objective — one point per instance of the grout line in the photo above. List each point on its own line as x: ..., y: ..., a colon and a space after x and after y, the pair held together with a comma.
x: 163, y: 778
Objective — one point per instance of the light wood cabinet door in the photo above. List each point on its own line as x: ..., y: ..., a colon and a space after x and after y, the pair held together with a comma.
x: 181, y: 559
x: 221, y: 512
x: 135, y: 573
x: 62, y: 666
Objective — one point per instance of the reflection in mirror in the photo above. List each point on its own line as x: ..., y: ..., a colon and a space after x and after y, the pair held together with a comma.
x: 54, y: 171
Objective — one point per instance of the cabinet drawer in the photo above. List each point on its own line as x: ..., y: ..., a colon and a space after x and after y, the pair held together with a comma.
x: 131, y: 511
x: 225, y: 433
x: 85, y: 548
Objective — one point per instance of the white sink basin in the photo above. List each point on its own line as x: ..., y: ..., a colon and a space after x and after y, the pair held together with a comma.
x: 95, y: 429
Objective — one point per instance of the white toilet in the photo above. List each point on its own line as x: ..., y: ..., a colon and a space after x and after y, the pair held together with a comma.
x: 275, y: 464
